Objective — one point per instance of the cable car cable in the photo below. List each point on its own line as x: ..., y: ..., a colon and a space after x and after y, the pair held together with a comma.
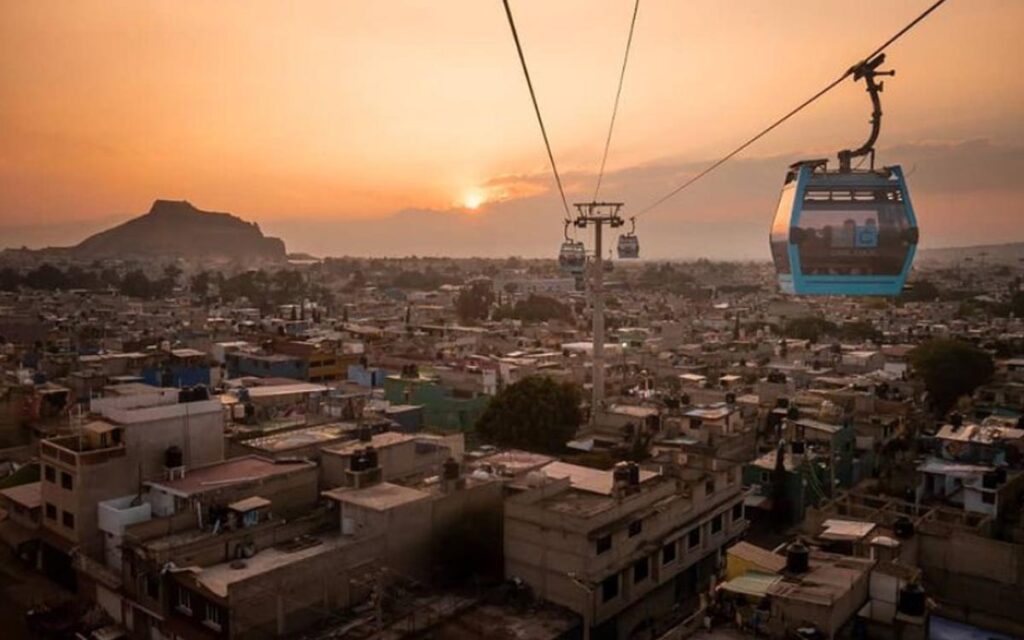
x: 618, y: 94
x: 832, y: 85
x: 536, y: 108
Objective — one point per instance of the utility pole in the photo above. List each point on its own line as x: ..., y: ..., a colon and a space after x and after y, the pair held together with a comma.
x: 598, y: 214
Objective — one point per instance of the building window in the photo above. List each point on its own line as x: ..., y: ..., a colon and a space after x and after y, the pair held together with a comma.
x: 153, y: 586
x: 693, y: 540
x: 988, y: 497
x: 641, y: 570
x: 50, y: 473
x: 184, y: 602
x: 610, y: 588
x: 709, y: 487
x: 668, y: 553
x: 213, y: 616
x: 604, y: 543
x: 51, y: 511
x: 766, y: 477
x: 716, y: 524
x: 635, y: 528
x: 737, y: 512
x: 65, y: 480
x: 69, y: 519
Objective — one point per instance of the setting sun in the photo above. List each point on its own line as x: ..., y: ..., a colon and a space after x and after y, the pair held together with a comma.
x: 473, y: 199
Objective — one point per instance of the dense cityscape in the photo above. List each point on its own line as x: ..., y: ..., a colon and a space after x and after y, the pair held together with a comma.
x: 209, y: 446
x: 511, y: 320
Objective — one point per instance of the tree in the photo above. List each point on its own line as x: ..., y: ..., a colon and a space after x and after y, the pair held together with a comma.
x: 808, y: 328
x: 950, y: 369
x: 535, y: 414
x: 474, y: 302
x: 536, y: 308
x: 200, y: 285
x: 136, y: 285
x: 860, y: 331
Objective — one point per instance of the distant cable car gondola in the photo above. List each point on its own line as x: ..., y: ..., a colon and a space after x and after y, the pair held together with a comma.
x: 845, y: 232
x: 629, y: 245
x: 573, y: 255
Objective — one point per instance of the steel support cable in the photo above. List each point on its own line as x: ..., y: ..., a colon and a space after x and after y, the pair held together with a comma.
x: 832, y: 85
x: 536, y: 108
x: 618, y: 95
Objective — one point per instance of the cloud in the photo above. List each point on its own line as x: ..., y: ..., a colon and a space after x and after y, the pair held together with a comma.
x: 966, y: 192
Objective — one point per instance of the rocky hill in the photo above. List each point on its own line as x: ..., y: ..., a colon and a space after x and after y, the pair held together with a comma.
x: 177, y: 229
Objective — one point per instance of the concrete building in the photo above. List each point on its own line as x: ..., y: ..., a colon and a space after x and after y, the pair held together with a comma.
x: 128, y: 443
x: 621, y: 548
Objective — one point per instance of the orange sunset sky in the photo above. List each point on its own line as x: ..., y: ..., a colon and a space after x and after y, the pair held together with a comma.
x: 400, y: 126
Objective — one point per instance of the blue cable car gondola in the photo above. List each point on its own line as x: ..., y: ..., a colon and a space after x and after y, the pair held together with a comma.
x: 845, y: 232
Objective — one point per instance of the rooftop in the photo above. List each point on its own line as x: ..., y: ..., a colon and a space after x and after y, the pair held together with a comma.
x: 299, y: 438
x: 845, y: 530
x: 218, y: 578
x: 377, y: 441
x: 29, y: 495
x: 229, y: 472
x: 829, y: 578
x: 587, y: 479
x: 757, y: 555
x: 378, y: 497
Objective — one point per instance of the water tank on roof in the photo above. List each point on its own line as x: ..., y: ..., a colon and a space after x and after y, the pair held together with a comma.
x: 358, y: 461
x: 912, y: 600
x: 620, y: 474
x: 684, y: 399
x: 370, y: 455
x: 798, y: 447
x: 730, y: 398
x: 956, y: 420
x: 793, y: 413
x: 634, y: 473
x: 903, y: 527
x: 798, y: 558
x: 451, y: 469
x: 173, y: 458
x: 781, y: 403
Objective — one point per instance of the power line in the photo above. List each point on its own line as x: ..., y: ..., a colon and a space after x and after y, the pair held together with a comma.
x: 536, y: 108
x: 798, y: 109
x: 618, y: 94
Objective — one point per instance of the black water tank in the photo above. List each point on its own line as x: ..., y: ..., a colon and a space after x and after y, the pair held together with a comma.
x: 370, y: 455
x: 793, y: 413
x: 620, y: 474
x: 956, y: 420
x: 798, y: 447
x: 685, y: 399
x: 798, y: 558
x: 912, y: 600
x: 451, y: 469
x: 364, y: 433
x: 634, y: 473
x: 903, y: 528
x: 782, y: 403
x: 730, y: 398
x: 357, y: 462
x: 173, y: 458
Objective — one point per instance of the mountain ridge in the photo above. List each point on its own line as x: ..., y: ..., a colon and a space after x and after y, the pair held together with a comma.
x: 178, y: 229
